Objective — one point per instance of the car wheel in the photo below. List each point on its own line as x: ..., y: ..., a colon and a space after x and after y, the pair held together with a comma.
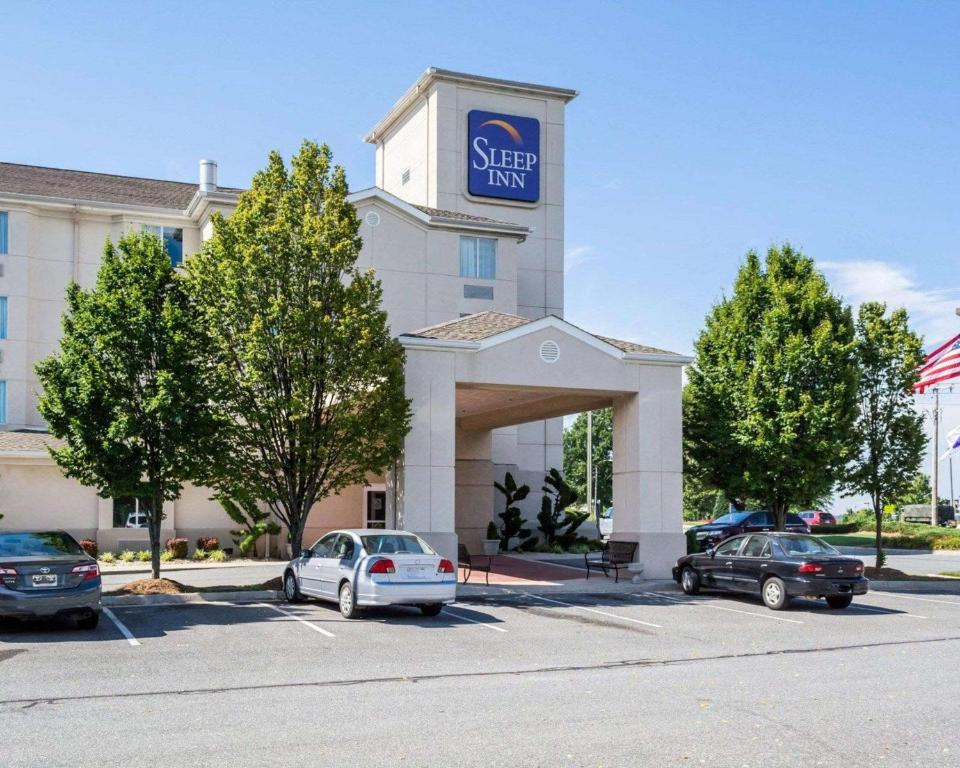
x: 89, y: 622
x: 348, y: 606
x: 690, y: 580
x: 291, y: 590
x: 774, y: 594
x: 839, y: 601
x: 431, y: 609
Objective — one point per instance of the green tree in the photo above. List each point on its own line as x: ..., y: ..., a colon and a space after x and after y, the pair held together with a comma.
x: 512, y: 515
x: 558, y: 524
x: 888, y: 433
x: 771, y: 399
x: 575, y: 456
x: 917, y: 491
x: 127, y: 389
x: 307, y: 374
x: 700, y: 502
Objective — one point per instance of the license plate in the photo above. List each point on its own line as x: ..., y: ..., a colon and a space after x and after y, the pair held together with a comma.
x: 44, y: 580
x: 416, y: 573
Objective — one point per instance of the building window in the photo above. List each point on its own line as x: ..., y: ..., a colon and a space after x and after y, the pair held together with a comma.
x: 129, y: 512
x: 4, y: 230
x: 3, y: 317
x: 3, y: 402
x: 172, y: 240
x: 478, y: 257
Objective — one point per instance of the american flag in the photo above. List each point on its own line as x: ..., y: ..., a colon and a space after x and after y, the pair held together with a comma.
x: 943, y: 364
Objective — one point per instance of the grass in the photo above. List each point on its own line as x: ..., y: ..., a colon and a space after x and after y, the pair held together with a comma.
x: 849, y: 539
x: 951, y: 574
x: 901, y: 536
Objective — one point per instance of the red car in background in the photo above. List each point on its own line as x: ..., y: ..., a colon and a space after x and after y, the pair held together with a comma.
x: 812, y: 517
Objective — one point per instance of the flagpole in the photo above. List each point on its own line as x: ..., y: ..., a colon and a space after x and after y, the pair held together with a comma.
x: 934, y: 474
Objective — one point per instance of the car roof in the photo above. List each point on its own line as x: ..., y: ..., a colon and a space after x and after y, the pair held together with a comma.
x: 22, y: 531
x: 371, y: 531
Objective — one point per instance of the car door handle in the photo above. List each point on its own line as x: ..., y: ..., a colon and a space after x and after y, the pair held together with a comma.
x: 763, y: 565
x: 729, y: 562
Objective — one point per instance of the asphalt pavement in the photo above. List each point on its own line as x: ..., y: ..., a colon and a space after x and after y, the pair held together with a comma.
x: 644, y: 676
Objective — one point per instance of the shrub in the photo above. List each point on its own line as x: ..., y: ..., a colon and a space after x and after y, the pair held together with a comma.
x: 492, y: 532
x: 217, y: 556
x: 144, y: 556
x: 208, y: 543
x: 178, y: 548
x: 89, y: 546
x: 166, y: 556
x: 127, y: 556
x: 199, y: 554
x: 840, y: 528
x: 106, y: 557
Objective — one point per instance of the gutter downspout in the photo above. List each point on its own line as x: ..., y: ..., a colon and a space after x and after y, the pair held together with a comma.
x: 76, y: 243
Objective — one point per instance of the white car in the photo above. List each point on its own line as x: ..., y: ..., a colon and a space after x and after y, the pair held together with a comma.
x: 136, y: 520
x: 368, y: 567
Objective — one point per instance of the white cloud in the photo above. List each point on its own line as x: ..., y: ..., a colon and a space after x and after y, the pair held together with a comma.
x: 931, y: 311
x: 577, y: 257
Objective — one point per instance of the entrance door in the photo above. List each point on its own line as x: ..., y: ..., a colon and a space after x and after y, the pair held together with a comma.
x: 376, y: 509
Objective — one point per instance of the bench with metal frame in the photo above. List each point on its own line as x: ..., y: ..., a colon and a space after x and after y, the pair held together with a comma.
x: 469, y: 566
x: 616, y: 555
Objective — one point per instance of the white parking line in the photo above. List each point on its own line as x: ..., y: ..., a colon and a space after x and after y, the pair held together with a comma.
x: 593, y: 610
x: 314, y: 627
x: 921, y: 599
x: 890, y: 611
x: 473, y: 621
x: 701, y: 604
x: 121, y: 626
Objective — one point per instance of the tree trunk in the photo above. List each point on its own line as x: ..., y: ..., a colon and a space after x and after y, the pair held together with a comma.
x: 780, y: 515
x: 878, y: 515
x: 156, y: 520
x: 296, y: 534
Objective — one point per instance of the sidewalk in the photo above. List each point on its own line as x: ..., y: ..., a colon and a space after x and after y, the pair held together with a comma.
x: 123, y: 569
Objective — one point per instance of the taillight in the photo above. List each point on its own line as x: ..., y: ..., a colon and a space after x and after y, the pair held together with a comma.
x: 7, y: 571
x: 445, y: 566
x: 383, y: 565
x: 90, y: 572
x: 811, y: 568
x: 858, y: 567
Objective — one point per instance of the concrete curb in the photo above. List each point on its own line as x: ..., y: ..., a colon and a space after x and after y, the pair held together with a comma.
x: 941, y: 586
x: 248, y: 596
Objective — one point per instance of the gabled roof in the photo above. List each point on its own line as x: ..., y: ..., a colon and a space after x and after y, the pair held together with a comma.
x: 84, y: 186
x: 437, y: 217
x: 488, y: 328
x: 27, y: 441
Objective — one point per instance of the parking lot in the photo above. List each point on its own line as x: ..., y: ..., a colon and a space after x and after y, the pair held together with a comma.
x: 645, y: 675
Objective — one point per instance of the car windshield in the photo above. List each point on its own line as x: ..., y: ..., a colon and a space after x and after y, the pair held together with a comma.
x: 47, y: 544
x: 734, y: 518
x: 806, y: 545
x: 388, y: 544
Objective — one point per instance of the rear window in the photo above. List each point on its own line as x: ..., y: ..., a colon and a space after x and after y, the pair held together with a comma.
x: 389, y: 544
x: 38, y: 544
x: 806, y: 545
x: 734, y: 518
x: 794, y: 519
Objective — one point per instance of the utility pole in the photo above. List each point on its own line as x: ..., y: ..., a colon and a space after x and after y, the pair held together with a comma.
x: 934, y: 474
x: 590, y: 466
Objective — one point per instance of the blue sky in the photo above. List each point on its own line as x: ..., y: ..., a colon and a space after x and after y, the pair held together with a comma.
x: 702, y: 129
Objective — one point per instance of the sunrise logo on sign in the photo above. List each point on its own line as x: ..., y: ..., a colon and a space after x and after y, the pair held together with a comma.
x: 503, y: 156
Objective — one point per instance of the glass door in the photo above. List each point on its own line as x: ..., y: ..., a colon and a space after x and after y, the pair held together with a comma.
x: 376, y: 509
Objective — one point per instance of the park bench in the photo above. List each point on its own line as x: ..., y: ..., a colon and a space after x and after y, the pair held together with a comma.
x: 616, y: 555
x: 469, y: 566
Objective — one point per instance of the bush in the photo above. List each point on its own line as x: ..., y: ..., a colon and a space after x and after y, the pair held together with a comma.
x: 178, y: 548
x: 144, y: 556
x: 106, y: 557
x: 126, y: 556
x: 492, y: 532
x: 217, y: 556
x: 89, y: 546
x: 840, y: 528
x: 199, y: 554
x: 166, y: 556
x: 208, y: 543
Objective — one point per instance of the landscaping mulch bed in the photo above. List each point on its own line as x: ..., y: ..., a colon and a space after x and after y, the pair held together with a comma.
x: 892, y: 574
x: 171, y: 587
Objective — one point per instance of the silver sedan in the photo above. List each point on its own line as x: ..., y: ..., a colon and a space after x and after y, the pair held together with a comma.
x: 372, y: 567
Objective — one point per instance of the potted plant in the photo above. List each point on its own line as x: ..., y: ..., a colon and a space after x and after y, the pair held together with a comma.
x: 491, y: 544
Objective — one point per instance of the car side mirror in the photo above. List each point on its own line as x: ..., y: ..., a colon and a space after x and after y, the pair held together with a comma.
x: 306, y: 554
x: 712, y: 552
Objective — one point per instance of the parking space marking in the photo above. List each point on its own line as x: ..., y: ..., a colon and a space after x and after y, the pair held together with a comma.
x: 593, y: 610
x: 921, y: 599
x: 314, y: 627
x: 473, y: 621
x: 702, y: 604
x: 121, y: 626
x: 888, y: 611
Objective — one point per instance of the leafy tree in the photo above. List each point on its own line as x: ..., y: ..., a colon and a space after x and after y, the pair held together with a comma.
x: 575, y: 456
x: 307, y: 374
x: 702, y: 503
x: 771, y: 398
x: 127, y: 390
x: 512, y: 516
x: 254, y: 522
x: 559, y: 526
x: 888, y: 432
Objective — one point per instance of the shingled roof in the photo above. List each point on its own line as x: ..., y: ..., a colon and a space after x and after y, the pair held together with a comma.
x: 97, y: 187
x: 483, y: 325
x: 440, y: 213
x: 27, y: 441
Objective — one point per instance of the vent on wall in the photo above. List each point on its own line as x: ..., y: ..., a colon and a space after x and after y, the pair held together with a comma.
x: 549, y: 351
x: 405, y: 176
x: 372, y: 218
x: 478, y: 291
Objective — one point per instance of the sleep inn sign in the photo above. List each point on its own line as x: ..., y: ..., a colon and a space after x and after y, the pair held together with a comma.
x: 504, y: 156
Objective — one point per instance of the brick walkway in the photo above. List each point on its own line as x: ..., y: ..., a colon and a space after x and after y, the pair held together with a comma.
x: 518, y: 571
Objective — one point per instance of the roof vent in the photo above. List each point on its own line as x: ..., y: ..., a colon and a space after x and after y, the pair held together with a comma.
x: 208, y: 175
x: 405, y: 176
x: 549, y: 351
x: 372, y: 218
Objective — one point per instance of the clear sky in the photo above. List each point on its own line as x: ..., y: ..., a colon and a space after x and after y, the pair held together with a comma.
x: 702, y: 129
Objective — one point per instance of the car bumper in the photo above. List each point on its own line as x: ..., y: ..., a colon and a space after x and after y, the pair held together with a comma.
x: 406, y: 593
x: 800, y: 587
x: 25, y: 605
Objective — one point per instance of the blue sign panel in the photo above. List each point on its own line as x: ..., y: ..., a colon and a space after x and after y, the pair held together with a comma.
x: 503, y: 156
